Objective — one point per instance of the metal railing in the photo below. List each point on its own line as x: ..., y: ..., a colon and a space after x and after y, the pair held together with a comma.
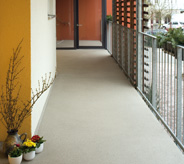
x: 160, y: 83
x: 158, y: 73
x: 124, y: 50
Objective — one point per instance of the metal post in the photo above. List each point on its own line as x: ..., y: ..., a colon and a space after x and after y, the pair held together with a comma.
x: 179, y: 93
x: 110, y: 37
x: 154, y: 73
x: 129, y: 45
x: 113, y: 27
x: 122, y: 48
x: 139, y: 40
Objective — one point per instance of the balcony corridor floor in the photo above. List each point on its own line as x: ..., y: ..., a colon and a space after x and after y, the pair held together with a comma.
x: 95, y: 116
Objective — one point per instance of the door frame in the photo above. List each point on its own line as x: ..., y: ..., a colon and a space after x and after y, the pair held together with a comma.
x: 76, y: 28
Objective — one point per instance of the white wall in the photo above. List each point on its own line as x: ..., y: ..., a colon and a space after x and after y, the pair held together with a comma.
x: 43, y: 51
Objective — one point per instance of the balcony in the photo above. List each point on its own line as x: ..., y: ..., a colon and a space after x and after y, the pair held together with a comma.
x: 94, y: 115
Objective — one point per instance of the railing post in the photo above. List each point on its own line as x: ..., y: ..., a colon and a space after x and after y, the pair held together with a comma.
x: 139, y: 45
x: 122, y: 47
x: 139, y: 60
x: 110, y: 37
x: 179, y: 93
x: 154, y: 73
x: 129, y: 45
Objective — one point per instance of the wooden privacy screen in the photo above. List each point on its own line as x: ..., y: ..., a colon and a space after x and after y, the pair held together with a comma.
x: 126, y: 13
x: 125, y: 36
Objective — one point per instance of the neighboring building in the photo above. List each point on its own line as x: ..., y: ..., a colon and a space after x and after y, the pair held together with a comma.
x: 161, y: 12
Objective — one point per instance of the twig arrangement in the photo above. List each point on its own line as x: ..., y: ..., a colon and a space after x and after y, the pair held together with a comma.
x: 12, y: 113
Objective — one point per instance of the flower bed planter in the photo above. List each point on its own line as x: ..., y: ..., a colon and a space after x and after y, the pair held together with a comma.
x: 168, y: 48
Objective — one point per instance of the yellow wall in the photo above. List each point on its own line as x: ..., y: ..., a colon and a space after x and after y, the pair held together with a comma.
x: 15, y: 25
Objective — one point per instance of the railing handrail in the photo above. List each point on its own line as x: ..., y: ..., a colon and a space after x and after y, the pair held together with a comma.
x: 152, y: 36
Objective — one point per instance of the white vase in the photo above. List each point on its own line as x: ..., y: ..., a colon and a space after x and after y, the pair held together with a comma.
x: 40, y: 149
x: 15, y: 160
x: 29, y: 156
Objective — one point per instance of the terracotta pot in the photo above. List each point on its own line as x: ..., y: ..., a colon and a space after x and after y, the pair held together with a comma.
x: 15, y: 160
x: 12, y: 139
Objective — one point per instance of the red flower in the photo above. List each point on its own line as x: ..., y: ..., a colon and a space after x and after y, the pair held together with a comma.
x: 35, y: 138
x: 17, y: 145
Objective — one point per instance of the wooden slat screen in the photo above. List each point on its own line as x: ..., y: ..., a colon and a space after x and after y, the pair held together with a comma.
x: 124, y: 35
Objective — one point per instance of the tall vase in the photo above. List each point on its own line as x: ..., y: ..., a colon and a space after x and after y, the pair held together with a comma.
x: 12, y: 139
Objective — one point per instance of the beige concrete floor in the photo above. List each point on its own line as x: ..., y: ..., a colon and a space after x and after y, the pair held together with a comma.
x: 94, y: 116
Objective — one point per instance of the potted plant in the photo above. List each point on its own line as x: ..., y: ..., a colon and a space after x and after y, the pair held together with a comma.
x: 15, y: 156
x: 12, y: 109
x: 39, y: 143
x: 109, y: 18
x: 28, y: 148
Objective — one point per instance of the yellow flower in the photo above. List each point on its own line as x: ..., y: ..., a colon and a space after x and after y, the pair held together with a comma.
x: 29, y: 143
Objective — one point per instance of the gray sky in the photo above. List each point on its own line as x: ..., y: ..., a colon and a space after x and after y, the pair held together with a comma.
x: 180, y: 4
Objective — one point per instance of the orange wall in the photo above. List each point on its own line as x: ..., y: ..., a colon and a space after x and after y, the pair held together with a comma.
x: 109, y: 7
x: 15, y: 25
x: 64, y: 19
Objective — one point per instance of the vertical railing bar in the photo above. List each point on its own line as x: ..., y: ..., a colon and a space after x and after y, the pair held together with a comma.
x: 120, y: 43
x: 164, y: 84
x: 139, y: 45
x: 175, y: 96
x: 131, y: 56
x: 183, y: 97
x: 128, y: 34
x: 179, y: 92
x: 168, y: 88
x: 159, y: 80
x: 139, y: 61
x: 154, y: 73
x: 117, y: 41
x: 171, y: 97
x: 122, y: 47
x: 109, y: 44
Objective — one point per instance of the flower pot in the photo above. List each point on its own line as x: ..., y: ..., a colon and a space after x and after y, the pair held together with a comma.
x: 12, y: 139
x: 29, y: 156
x: 40, y: 149
x: 15, y: 160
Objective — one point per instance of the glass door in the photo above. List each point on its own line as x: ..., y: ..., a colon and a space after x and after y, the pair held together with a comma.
x: 65, y: 23
x: 90, y: 23
x: 80, y: 23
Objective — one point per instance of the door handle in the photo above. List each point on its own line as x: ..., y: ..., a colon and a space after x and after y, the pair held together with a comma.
x: 79, y: 25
